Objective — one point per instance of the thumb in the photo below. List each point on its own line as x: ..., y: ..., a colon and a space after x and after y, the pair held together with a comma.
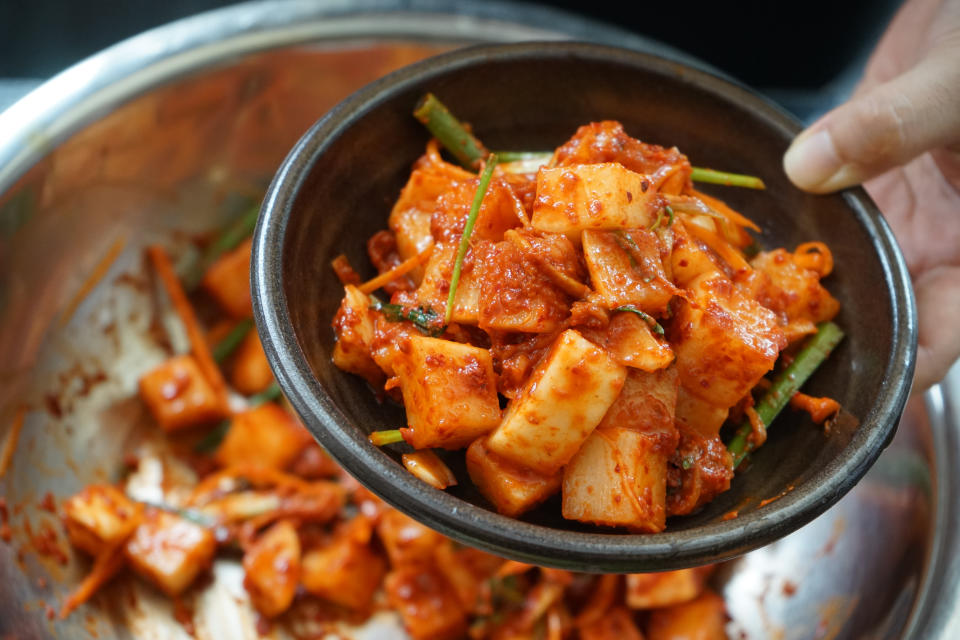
x: 882, y: 128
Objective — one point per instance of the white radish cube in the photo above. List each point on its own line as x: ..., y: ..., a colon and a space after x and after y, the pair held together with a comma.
x: 100, y: 516
x: 653, y: 590
x: 449, y: 392
x: 170, y: 551
x: 410, y: 216
x: 626, y: 268
x: 618, y: 477
x: 631, y: 341
x: 593, y: 196
x: 725, y: 342
x: 272, y: 569
x: 517, y: 293
x: 689, y: 258
x: 699, y: 415
x: 353, y: 325
x: 646, y: 404
x: 434, y: 289
x: 511, y: 488
x: 703, y: 618
x: 561, y: 404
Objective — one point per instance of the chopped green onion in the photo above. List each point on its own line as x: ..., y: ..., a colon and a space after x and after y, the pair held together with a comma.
x: 232, y: 236
x: 449, y: 131
x: 646, y: 317
x: 269, y: 394
x: 656, y: 223
x: 506, y: 591
x: 229, y: 344
x: 785, y: 384
x: 392, y: 312
x: 210, y: 442
x: 194, y: 516
x: 523, y: 162
x: 627, y: 239
x: 467, y: 230
x: 699, y: 174
x: 669, y: 211
x: 425, y: 319
x: 541, y: 157
x: 213, y: 438
x: 389, y: 436
x: 524, y: 156
x: 626, y: 243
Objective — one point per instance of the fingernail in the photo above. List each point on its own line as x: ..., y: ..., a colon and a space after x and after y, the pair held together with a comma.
x: 812, y: 163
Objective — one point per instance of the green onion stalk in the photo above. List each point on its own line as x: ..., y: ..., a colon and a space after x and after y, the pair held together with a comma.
x: 711, y: 176
x: 646, y: 317
x: 385, y: 437
x: 230, y: 342
x: 449, y: 131
x: 785, y: 384
x: 212, y: 440
x: 467, y: 231
x: 424, y: 318
x: 229, y: 238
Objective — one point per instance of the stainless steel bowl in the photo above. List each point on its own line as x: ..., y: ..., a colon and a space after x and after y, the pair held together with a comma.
x: 166, y: 135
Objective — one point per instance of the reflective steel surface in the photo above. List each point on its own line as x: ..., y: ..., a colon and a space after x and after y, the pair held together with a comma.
x: 171, y: 133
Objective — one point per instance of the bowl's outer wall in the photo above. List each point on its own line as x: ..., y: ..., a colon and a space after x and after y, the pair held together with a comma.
x: 535, y: 101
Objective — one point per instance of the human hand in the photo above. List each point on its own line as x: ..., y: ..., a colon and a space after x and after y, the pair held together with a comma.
x: 899, y: 135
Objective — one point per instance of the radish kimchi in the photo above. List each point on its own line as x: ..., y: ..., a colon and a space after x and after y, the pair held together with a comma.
x: 585, y: 324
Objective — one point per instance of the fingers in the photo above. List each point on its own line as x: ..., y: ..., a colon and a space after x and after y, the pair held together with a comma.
x: 899, y: 49
x: 882, y: 128
x: 938, y: 303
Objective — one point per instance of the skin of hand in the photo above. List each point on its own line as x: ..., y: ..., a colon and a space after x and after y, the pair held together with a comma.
x: 899, y: 135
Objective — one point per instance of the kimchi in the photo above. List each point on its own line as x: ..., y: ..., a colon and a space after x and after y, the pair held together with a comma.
x: 582, y: 322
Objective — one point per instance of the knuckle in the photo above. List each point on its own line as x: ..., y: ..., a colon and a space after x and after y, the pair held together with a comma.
x: 878, y: 131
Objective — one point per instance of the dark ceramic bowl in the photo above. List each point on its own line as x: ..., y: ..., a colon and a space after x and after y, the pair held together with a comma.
x: 337, y: 186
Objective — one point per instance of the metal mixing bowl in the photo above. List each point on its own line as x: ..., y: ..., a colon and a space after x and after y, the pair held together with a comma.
x: 167, y: 135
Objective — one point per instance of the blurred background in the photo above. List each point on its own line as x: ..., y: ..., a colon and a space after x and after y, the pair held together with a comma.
x: 805, y: 55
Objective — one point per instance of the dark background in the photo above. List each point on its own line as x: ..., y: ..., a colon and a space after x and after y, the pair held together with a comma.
x: 804, y: 54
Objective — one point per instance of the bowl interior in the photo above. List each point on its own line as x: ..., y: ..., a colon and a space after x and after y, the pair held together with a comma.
x: 337, y: 187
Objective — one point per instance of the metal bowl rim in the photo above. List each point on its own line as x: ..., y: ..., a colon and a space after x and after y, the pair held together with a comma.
x: 36, y: 124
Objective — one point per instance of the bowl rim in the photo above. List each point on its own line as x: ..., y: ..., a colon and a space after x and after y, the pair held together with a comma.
x: 510, y: 537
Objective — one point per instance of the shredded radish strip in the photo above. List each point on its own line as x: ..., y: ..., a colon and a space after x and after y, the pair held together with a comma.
x: 398, y: 271
x: 99, y: 271
x: 198, y: 342
x: 13, y: 437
